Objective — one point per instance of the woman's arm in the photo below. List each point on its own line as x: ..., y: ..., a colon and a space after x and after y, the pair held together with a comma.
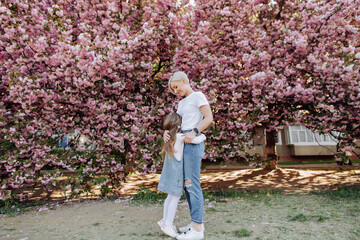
x: 208, y: 119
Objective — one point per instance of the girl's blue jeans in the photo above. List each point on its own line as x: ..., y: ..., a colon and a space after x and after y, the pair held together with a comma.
x: 192, y: 156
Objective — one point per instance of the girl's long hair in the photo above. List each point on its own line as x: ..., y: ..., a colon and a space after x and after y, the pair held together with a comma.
x: 172, y: 123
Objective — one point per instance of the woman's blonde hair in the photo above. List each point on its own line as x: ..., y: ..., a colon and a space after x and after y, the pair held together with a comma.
x: 172, y: 123
x: 177, y: 76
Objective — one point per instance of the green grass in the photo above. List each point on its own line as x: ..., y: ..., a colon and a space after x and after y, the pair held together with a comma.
x: 237, y: 215
x: 304, y: 218
x: 145, y: 195
x: 351, y: 192
x: 233, y: 193
x: 300, y: 218
x: 243, y: 232
x: 13, y: 211
x: 14, y: 207
x: 322, y: 218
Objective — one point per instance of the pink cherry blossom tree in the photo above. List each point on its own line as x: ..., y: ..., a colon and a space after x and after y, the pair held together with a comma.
x: 275, y: 63
x: 101, y: 67
x: 94, y: 66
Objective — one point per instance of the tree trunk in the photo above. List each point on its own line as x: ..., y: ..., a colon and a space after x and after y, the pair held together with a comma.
x: 271, y: 157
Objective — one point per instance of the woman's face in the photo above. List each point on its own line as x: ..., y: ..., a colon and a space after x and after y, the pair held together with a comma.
x: 179, y: 87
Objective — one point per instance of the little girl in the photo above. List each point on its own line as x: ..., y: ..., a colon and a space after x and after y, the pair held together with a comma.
x: 172, y: 175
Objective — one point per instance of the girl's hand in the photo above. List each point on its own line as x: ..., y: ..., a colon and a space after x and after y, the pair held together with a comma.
x: 166, y: 136
x: 189, y: 136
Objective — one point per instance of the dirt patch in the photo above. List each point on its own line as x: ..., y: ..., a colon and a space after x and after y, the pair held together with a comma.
x: 287, y: 180
x: 271, y: 217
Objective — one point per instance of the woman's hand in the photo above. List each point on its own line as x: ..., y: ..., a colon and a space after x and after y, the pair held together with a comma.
x: 189, y: 136
x: 166, y: 136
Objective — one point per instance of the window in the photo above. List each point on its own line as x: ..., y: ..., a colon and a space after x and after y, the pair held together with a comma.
x: 279, y: 141
x: 300, y: 135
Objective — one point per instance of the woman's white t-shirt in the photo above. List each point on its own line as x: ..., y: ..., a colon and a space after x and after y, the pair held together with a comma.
x: 189, y: 110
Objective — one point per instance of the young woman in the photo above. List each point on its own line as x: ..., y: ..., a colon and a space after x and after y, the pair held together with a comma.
x: 196, y: 117
x: 172, y: 179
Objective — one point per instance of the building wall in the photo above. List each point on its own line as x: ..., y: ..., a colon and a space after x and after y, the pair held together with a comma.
x: 294, y: 152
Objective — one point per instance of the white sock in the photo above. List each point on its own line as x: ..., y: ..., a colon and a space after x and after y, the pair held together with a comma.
x: 171, y: 210
x: 166, y: 204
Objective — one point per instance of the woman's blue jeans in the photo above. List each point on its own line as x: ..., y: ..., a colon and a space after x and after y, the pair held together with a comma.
x: 192, y: 156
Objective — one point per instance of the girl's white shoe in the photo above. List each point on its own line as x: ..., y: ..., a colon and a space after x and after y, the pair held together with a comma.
x: 160, y: 223
x: 191, y: 235
x: 169, y: 230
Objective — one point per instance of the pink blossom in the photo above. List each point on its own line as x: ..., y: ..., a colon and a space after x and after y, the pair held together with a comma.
x: 59, y: 13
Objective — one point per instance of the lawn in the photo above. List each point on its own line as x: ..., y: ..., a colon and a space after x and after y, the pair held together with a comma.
x: 230, y: 214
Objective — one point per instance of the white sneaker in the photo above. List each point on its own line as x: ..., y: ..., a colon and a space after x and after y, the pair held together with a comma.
x: 191, y: 235
x: 188, y: 227
x: 160, y: 223
x: 169, y: 230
